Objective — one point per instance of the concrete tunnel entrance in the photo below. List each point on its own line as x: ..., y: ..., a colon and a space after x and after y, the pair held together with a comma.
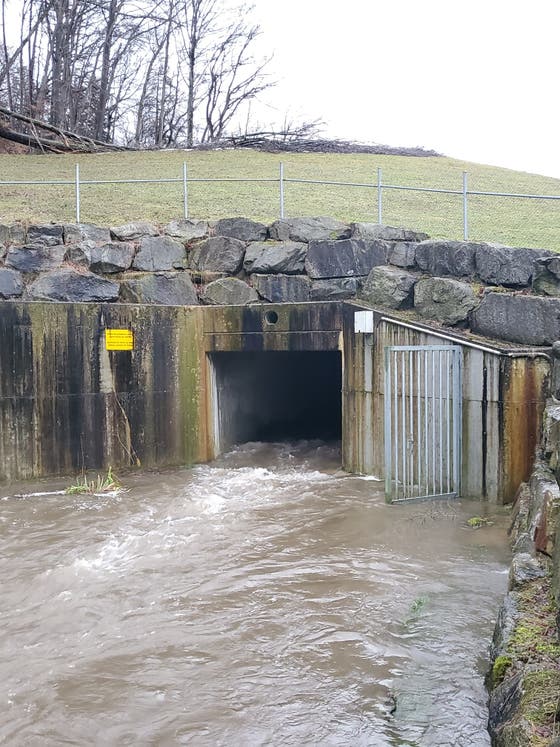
x: 276, y: 396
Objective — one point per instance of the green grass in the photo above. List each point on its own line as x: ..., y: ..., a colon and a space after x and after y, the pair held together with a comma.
x: 517, y: 222
x: 102, y: 484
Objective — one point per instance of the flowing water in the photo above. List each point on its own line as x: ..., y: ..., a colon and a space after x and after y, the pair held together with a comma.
x: 263, y: 599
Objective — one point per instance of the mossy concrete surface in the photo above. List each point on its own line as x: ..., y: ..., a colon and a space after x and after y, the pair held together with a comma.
x: 68, y: 404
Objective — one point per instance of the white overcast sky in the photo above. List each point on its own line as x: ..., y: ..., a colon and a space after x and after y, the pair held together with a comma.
x: 476, y: 79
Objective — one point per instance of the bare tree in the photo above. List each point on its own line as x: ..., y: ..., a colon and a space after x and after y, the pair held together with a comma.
x: 170, y: 71
x: 234, y: 78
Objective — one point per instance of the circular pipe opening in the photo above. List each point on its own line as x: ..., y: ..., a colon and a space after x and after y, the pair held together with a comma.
x: 271, y: 317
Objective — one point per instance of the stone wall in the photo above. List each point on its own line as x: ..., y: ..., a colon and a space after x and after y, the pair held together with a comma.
x: 501, y: 292
x: 524, y: 681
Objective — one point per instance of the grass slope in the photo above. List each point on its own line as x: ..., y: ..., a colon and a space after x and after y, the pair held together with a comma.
x: 517, y: 222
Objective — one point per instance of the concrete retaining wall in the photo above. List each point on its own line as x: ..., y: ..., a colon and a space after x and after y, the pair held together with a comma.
x: 67, y: 403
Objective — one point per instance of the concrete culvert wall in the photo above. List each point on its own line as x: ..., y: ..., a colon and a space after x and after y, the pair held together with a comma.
x: 270, y: 396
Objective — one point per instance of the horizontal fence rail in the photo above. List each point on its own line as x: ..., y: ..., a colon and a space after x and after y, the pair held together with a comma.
x: 378, y: 187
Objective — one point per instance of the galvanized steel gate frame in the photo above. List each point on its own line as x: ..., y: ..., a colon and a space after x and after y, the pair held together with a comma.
x: 423, y: 422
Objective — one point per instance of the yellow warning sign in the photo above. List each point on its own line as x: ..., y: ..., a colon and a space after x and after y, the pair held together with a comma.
x: 119, y: 339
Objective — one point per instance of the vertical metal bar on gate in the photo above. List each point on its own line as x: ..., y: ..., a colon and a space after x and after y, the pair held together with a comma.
x: 426, y: 451
x: 422, y: 438
x: 78, y: 206
x: 185, y: 192
x: 457, y: 417
x: 410, y: 434
x: 440, y: 379
x: 449, y: 364
x: 417, y: 444
x: 396, y: 436
x: 388, y: 406
x: 431, y: 443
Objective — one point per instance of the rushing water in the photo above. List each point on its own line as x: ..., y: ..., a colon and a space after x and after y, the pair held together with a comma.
x: 264, y: 599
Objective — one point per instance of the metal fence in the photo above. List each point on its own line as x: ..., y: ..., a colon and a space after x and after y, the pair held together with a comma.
x: 422, y: 421
x: 379, y: 189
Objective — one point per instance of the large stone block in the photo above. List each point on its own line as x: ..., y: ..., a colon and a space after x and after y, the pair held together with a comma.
x: 283, y: 288
x: 134, y: 231
x: 309, y: 229
x: 158, y: 254
x: 370, y: 231
x: 14, y: 233
x: 346, y: 258
x: 80, y: 254
x: 389, y: 287
x: 504, y: 265
x: 242, y: 229
x: 11, y: 283
x: 403, y: 254
x: 187, y: 230
x: 35, y: 257
x: 116, y: 256
x: 49, y: 234
x: 229, y: 292
x: 285, y: 257
x: 528, y: 320
x: 77, y: 232
x: 445, y: 258
x: 218, y: 254
x: 112, y: 257
x: 546, y: 276
x: 162, y: 288
x: 334, y: 289
x: 444, y: 300
x: 67, y: 284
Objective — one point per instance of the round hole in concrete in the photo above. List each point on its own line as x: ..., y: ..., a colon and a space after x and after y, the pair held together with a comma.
x: 271, y: 317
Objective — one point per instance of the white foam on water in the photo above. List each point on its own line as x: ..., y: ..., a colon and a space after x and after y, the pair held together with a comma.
x: 112, y: 556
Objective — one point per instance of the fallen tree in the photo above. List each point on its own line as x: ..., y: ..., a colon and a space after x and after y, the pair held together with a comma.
x: 64, y: 142
x: 293, y: 142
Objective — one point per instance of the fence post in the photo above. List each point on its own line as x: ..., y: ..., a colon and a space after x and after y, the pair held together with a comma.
x: 77, y: 193
x: 185, y: 192
x: 465, y: 208
x: 281, y: 189
x: 379, y: 198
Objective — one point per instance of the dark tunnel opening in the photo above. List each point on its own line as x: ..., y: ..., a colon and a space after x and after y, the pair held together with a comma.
x: 277, y: 396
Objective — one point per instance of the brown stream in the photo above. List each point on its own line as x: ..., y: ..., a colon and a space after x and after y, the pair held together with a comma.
x: 263, y: 599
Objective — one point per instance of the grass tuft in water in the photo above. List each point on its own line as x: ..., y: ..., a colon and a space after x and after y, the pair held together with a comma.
x: 101, y: 484
x: 415, y: 609
x: 476, y: 522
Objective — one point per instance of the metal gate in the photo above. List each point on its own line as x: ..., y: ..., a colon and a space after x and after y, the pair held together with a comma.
x: 423, y: 422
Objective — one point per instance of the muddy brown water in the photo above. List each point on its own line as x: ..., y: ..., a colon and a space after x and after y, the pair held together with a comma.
x: 263, y: 599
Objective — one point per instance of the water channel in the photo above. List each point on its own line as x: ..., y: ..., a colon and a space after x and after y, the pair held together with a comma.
x: 264, y: 599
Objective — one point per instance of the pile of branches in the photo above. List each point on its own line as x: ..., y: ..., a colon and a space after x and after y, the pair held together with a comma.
x: 45, y: 137
x: 289, y: 142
